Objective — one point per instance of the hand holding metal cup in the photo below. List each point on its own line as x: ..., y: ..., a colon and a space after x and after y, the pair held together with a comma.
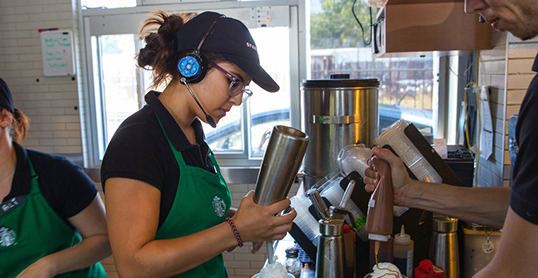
x: 279, y: 168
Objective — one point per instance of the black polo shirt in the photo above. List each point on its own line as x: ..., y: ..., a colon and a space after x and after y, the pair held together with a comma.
x: 63, y: 184
x: 139, y: 150
x: 524, y: 196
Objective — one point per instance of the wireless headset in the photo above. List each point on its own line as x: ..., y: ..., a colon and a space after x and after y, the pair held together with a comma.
x: 192, y: 69
x: 191, y: 66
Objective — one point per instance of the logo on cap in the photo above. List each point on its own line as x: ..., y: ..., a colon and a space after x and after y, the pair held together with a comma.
x: 249, y: 45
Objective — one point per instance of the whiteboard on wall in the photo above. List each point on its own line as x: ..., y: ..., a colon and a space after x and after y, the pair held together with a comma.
x: 57, y: 52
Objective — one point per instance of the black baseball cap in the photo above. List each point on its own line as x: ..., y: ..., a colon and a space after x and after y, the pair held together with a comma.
x: 229, y: 37
x: 6, y: 100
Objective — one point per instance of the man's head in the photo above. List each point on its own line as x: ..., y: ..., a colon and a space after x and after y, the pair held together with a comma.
x: 519, y: 17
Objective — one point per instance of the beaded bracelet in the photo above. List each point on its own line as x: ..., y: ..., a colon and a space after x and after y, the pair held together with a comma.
x: 236, y: 233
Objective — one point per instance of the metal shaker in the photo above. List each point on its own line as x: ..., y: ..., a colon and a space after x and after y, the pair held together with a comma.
x: 280, y: 164
x: 330, y: 257
x: 444, y: 245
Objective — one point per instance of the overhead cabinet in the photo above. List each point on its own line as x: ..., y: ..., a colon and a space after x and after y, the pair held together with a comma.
x: 427, y: 26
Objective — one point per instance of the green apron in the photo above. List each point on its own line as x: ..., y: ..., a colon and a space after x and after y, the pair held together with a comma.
x: 202, y: 201
x: 30, y: 229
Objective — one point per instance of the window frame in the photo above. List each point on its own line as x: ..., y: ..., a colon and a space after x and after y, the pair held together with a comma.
x: 98, y: 22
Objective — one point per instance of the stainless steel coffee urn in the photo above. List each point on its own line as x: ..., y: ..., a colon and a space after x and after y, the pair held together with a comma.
x: 336, y: 112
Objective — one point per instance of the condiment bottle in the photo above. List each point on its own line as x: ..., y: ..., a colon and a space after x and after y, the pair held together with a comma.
x: 292, y: 263
x: 308, y: 270
x: 403, y: 252
x: 380, y: 207
x: 426, y: 269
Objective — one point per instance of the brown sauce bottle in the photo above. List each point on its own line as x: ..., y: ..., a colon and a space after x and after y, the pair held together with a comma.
x: 380, y: 207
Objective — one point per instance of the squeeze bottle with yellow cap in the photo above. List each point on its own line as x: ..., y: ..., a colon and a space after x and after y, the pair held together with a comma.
x: 403, y: 252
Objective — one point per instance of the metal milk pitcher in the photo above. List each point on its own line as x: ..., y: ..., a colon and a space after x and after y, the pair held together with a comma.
x: 444, y: 245
x: 330, y: 258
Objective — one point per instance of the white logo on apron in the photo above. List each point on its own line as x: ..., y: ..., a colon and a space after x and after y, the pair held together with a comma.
x: 219, y: 206
x: 7, y: 237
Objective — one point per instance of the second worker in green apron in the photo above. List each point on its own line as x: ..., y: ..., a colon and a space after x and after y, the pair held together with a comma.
x: 52, y: 220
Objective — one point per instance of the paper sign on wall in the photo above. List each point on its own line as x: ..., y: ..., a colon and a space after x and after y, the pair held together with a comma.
x: 486, y: 125
x: 57, y: 52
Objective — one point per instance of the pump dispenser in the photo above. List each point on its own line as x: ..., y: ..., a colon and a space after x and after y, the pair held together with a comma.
x: 380, y: 207
x: 403, y: 252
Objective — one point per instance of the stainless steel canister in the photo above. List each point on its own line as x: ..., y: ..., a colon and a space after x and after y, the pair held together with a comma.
x: 330, y: 257
x: 444, y: 245
x: 280, y: 165
x: 336, y: 112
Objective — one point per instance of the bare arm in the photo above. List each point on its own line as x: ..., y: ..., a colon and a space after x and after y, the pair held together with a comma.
x: 94, y: 246
x: 483, y: 205
x: 133, y: 213
x: 518, y: 250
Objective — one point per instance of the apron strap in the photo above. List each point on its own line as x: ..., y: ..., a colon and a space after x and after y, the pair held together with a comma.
x: 33, y: 176
x: 181, y: 161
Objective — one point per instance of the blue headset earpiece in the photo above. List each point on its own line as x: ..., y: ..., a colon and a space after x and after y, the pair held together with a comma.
x: 192, y: 67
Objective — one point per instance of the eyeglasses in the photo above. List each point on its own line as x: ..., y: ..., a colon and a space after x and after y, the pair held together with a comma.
x: 236, y: 85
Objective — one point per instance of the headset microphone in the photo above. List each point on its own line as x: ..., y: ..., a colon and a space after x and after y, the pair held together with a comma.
x: 192, y: 69
x: 208, y: 118
x: 481, y: 19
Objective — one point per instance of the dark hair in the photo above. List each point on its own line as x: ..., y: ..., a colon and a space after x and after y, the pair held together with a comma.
x: 160, y: 54
x: 19, y: 126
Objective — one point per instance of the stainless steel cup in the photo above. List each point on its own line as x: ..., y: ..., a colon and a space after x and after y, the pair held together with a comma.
x: 280, y: 164
x: 444, y: 245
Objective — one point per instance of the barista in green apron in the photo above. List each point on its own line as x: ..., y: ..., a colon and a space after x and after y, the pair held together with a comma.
x: 200, y: 195
x: 40, y: 216
x: 40, y: 233
x: 165, y: 197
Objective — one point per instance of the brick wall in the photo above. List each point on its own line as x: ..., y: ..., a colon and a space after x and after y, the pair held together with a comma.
x: 507, y: 70
x: 520, y: 57
x: 51, y: 103
x: 492, y: 67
